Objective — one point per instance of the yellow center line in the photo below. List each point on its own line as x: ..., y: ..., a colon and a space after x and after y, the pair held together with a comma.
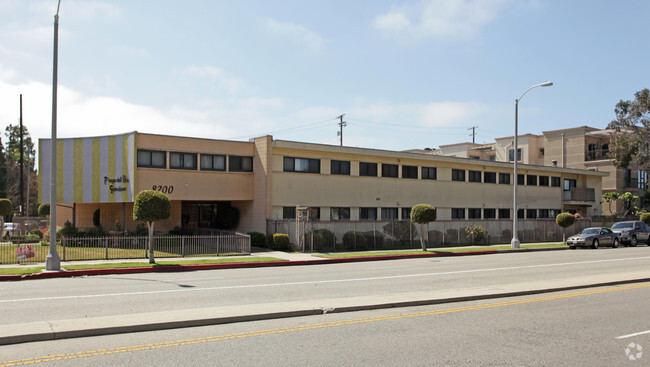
x: 27, y: 361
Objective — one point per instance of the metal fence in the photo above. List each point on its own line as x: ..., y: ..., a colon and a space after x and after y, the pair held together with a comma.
x: 126, y: 247
x: 330, y: 236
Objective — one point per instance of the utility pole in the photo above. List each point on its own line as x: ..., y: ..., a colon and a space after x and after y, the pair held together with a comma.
x: 22, y: 160
x: 473, y: 134
x: 341, y: 125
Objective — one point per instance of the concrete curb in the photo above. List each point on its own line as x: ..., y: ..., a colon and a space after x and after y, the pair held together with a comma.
x: 105, y: 325
x: 178, y: 268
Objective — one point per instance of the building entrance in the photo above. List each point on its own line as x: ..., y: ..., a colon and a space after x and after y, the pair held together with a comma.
x: 197, y: 215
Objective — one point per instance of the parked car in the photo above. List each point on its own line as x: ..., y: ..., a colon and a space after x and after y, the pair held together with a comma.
x: 8, y: 230
x: 594, y: 237
x: 632, y: 232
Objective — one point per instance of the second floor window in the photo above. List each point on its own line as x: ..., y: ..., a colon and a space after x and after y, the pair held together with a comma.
x: 409, y: 172
x: 240, y: 164
x: 151, y: 158
x: 458, y: 175
x: 429, y: 173
x: 305, y: 165
x: 388, y: 170
x: 340, y: 167
x: 511, y: 155
x: 368, y: 169
x: 211, y: 162
x: 182, y: 160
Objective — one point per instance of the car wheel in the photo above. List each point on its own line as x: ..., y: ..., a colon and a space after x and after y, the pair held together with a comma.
x: 633, y: 242
x: 594, y: 244
x: 616, y: 243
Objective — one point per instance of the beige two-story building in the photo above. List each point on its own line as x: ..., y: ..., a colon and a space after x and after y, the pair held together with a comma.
x: 266, y: 179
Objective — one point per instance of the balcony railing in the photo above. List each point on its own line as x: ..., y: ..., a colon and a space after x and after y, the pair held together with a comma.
x: 579, y: 194
x: 597, y: 155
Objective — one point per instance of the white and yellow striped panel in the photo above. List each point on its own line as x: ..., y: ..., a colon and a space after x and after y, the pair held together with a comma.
x: 89, y: 170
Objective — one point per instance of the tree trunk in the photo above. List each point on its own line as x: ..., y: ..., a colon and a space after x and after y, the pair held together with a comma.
x: 424, y: 246
x: 150, y: 226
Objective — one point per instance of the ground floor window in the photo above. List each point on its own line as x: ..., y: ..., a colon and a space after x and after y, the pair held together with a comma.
x: 457, y: 213
x: 504, y: 213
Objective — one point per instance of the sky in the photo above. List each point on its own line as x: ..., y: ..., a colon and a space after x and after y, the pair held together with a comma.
x: 406, y: 74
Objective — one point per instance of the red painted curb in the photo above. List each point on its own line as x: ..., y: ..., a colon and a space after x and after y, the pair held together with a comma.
x: 176, y: 268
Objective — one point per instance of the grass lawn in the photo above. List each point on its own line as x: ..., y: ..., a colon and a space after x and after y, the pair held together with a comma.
x: 21, y: 271
x: 440, y: 250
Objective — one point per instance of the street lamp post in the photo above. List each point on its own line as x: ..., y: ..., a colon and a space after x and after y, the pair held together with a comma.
x: 515, y: 241
x: 52, y: 260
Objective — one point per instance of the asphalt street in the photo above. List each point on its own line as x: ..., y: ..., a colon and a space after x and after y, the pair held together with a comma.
x: 605, y: 326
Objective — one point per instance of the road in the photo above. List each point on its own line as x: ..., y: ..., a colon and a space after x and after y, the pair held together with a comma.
x: 594, y: 327
x: 69, y: 298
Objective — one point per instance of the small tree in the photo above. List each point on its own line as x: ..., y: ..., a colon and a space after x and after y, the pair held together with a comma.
x: 645, y: 218
x: 6, y: 207
x: 44, y: 210
x: 151, y: 206
x: 564, y: 220
x: 422, y: 214
x: 628, y: 199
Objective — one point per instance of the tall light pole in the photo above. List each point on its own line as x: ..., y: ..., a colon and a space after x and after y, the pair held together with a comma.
x: 515, y: 241
x: 52, y: 260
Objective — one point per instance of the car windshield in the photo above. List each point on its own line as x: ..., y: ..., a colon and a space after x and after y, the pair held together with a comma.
x: 622, y: 225
x: 590, y: 231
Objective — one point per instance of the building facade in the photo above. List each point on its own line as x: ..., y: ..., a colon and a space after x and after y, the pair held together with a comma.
x: 266, y: 179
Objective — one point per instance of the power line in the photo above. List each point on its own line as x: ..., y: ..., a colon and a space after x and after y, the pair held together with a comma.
x: 287, y: 129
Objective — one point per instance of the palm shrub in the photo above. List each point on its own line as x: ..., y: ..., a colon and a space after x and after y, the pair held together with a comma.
x: 564, y: 220
x: 423, y: 214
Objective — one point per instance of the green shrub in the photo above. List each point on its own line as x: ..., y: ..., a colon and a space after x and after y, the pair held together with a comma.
x: 281, y: 242
x: 6, y: 207
x: 645, y: 218
x: 476, y: 233
x: 257, y: 239
x: 354, y: 240
x: 44, y: 210
x: 68, y: 230
x: 423, y: 214
x: 374, y: 239
x: 38, y: 232
x: 322, y: 238
x: 96, y: 232
x: 141, y: 230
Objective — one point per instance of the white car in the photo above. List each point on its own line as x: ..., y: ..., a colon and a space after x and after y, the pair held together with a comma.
x: 8, y: 230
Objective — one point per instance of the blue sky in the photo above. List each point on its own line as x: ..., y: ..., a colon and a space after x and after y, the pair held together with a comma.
x: 406, y: 74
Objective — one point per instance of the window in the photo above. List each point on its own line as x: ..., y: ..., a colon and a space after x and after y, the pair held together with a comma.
x: 489, y: 213
x: 543, y: 213
x: 305, y: 165
x: 642, y: 180
x: 409, y: 172
x: 457, y: 213
x: 474, y: 213
x: 531, y: 213
x: 289, y: 212
x: 429, y: 173
x: 474, y: 176
x: 388, y: 170
x: 314, y: 213
x: 340, y: 213
x: 458, y: 175
x: 531, y: 180
x: 406, y: 213
x: 151, y: 158
x: 240, y: 164
x: 555, y: 181
x: 211, y: 162
x: 368, y: 169
x: 493, y: 158
x: 543, y: 180
x: 520, y: 213
x: 569, y: 183
x: 368, y: 213
x: 504, y: 213
x: 490, y: 177
x: 388, y: 213
x: 541, y: 152
x: 520, y: 179
x: 504, y: 178
x: 340, y: 168
x: 511, y: 155
x: 182, y: 160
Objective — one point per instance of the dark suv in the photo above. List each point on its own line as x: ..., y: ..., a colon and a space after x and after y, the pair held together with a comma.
x: 632, y: 232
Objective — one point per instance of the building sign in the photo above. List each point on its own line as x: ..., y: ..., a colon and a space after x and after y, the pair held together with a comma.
x: 116, y: 184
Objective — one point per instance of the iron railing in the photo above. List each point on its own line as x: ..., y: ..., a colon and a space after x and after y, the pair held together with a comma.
x: 127, y: 247
x: 329, y: 236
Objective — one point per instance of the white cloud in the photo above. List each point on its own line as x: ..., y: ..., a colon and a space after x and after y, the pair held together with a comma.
x: 217, y: 75
x: 440, y: 18
x: 296, y: 34
x: 449, y: 113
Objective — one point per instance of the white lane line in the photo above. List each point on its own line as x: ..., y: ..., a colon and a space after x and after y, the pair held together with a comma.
x: 635, y: 334
x: 264, y: 285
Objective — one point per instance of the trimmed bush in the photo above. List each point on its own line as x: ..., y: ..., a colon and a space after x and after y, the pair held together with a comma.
x: 645, y: 218
x: 280, y: 242
x: 44, y: 210
x: 354, y: 240
x: 423, y: 214
x: 257, y: 239
x: 565, y: 220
